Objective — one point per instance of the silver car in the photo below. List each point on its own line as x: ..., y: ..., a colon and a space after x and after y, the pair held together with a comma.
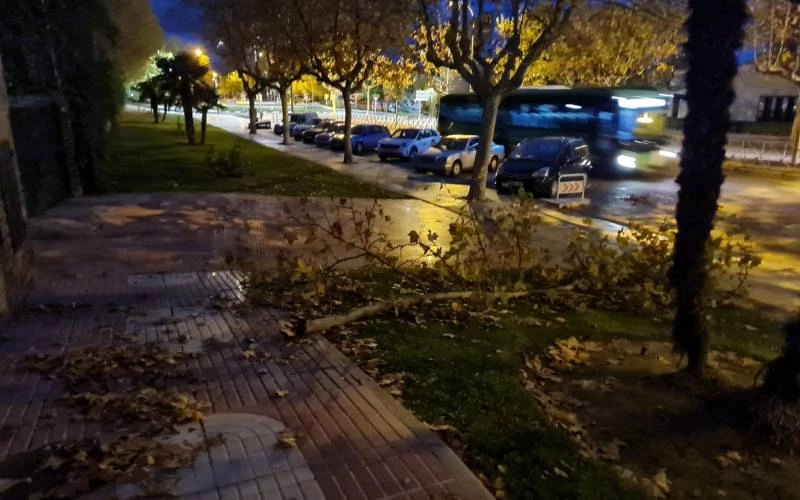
x: 455, y: 154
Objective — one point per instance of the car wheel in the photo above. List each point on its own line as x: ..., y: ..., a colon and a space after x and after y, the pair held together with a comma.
x: 383, y: 157
x: 455, y: 170
x: 359, y: 148
x: 493, y: 164
x: 420, y: 170
x: 412, y: 154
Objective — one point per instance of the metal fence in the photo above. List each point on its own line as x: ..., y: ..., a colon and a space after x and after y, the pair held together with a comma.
x: 389, y: 120
x: 766, y: 151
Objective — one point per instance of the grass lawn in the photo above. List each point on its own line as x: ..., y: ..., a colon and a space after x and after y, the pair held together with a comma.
x: 467, y: 375
x: 145, y: 157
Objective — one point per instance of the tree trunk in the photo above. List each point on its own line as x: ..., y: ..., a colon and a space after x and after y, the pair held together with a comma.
x: 251, y: 99
x: 164, y: 114
x: 188, y: 118
x: 291, y: 98
x: 715, y: 32
x: 154, y: 109
x: 477, y: 189
x: 348, y: 121
x: 795, y: 138
x: 283, y: 93
x: 204, y: 115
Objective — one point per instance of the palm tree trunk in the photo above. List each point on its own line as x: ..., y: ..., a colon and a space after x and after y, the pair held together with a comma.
x: 251, y: 98
x: 715, y: 32
x: 348, y: 121
x: 154, y: 109
x: 477, y: 188
x: 285, y: 113
x: 203, y: 122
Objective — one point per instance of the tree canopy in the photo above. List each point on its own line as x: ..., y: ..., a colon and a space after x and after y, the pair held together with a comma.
x: 610, y: 46
x: 138, y: 35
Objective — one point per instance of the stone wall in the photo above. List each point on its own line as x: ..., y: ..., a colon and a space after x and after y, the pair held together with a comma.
x: 39, y: 126
x: 16, y: 256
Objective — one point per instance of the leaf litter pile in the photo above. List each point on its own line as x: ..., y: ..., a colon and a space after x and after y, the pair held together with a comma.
x: 132, y: 389
x: 622, y: 403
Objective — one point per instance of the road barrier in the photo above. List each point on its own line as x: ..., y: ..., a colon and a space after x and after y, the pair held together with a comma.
x: 571, y: 184
x: 574, y: 187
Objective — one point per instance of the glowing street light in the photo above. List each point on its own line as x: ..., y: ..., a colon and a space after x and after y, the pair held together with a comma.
x: 198, y: 52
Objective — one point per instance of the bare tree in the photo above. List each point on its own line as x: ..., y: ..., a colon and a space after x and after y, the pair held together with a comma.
x: 342, y: 40
x: 483, y: 41
x: 282, y: 66
x: 232, y: 29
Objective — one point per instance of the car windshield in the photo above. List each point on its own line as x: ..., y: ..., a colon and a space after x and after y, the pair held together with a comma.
x: 295, y: 118
x: 453, y: 143
x: 537, y: 150
x: 338, y: 129
x: 405, y: 133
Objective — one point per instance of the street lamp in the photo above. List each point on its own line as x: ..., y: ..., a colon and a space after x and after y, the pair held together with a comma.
x: 198, y: 52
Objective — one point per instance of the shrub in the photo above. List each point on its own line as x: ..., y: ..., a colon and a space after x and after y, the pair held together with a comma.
x: 226, y: 165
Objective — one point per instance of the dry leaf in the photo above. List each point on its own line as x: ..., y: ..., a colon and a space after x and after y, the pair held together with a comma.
x: 279, y: 394
x: 287, y: 329
x: 249, y: 354
x: 730, y: 459
x: 288, y: 439
x: 448, y: 335
x: 662, y: 482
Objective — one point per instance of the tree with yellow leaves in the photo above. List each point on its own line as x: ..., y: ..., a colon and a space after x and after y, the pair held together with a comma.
x: 230, y: 85
x: 343, y: 40
x: 395, y: 77
x: 489, y: 43
x: 611, y: 46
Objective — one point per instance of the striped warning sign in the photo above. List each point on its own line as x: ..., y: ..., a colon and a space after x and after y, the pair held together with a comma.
x: 570, y: 187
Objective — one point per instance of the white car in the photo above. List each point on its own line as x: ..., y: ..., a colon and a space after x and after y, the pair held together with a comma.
x: 456, y: 153
x: 405, y: 143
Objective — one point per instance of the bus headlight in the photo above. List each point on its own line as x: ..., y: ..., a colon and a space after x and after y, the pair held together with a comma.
x: 667, y: 154
x: 626, y: 161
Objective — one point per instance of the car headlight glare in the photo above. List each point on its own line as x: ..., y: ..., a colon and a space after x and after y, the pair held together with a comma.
x: 626, y: 161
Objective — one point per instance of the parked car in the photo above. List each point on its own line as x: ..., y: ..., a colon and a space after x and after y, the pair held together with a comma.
x: 323, y: 140
x: 407, y: 142
x: 362, y: 137
x: 297, y: 131
x: 294, y: 119
x: 267, y: 124
x: 536, y: 163
x: 454, y: 154
x: 310, y: 134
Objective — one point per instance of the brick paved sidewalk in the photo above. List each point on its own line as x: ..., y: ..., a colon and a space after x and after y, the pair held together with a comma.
x: 355, y: 441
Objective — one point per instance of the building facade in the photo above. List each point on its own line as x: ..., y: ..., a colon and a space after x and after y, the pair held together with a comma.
x: 760, y: 98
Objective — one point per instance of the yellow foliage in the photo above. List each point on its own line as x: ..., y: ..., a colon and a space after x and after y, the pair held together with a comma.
x: 610, y: 47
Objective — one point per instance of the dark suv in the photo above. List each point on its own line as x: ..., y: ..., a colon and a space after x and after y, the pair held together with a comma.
x: 536, y: 163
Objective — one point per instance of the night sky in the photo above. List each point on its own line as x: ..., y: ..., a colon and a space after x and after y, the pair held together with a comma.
x: 178, y: 20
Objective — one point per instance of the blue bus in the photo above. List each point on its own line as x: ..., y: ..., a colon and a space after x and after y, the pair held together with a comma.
x: 623, y: 127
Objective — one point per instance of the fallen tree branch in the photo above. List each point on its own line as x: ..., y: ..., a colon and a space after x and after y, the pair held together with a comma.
x: 328, y: 322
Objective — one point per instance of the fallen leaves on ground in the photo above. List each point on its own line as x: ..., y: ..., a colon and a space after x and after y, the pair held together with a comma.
x: 155, y: 408
x: 113, y: 368
x: 69, y: 470
x: 288, y: 439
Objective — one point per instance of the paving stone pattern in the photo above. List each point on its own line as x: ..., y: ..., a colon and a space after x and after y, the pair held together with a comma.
x: 355, y: 441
